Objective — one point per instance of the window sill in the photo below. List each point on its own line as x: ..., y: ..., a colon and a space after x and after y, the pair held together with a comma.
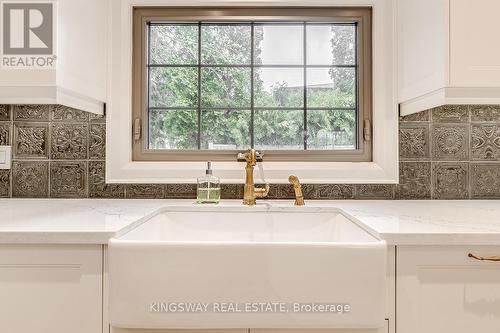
x: 384, y: 169
x: 234, y: 172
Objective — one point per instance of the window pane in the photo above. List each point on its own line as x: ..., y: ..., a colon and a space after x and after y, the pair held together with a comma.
x: 331, y: 44
x: 331, y: 87
x: 279, y: 129
x: 225, y: 87
x: 173, y: 129
x: 173, y: 87
x: 279, y: 44
x: 174, y: 44
x: 331, y: 129
x: 279, y: 87
x: 226, y: 44
x: 224, y: 92
x: 225, y: 129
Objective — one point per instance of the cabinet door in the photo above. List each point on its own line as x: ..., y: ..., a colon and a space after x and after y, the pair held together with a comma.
x: 51, y: 288
x: 441, y: 290
x: 81, y: 59
x: 474, y: 47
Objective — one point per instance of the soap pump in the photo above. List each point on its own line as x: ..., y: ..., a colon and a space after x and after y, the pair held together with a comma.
x: 208, y: 190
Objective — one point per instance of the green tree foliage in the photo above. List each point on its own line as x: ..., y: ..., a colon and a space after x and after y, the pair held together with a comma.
x: 229, y: 88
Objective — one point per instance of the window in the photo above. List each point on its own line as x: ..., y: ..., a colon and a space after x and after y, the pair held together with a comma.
x: 294, y: 83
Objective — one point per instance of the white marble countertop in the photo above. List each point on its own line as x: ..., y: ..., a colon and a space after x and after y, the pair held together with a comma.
x: 94, y: 221
x: 70, y: 221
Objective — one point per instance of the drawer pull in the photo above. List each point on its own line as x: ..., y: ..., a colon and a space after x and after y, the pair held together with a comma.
x: 494, y: 258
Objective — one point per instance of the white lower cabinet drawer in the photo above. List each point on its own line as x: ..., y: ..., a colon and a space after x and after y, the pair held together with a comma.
x: 136, y: 330
x: 380, y: 330
x: 384, y: 329
x: 440, y: 289
x: 50, y: 288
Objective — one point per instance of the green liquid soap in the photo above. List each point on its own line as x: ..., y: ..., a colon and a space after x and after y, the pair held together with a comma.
x: 208, y: 189
x: 208, y: 195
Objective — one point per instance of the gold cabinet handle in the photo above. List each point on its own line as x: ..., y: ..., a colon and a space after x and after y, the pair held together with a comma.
x: 493, y: 258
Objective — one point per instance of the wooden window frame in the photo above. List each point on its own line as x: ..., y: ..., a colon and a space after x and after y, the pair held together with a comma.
x: 359, y: 15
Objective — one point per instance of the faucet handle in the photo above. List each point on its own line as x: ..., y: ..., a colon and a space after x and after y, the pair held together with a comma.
x: 241, y: 157
x: 262, y: 192
x: 259, y: 156
x: 247, y: 156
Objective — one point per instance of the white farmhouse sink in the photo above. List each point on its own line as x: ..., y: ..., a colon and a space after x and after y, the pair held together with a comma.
x: 248, y: 267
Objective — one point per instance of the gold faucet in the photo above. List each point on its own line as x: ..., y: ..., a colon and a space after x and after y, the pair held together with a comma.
x: 299, y: 197
x: 251, y: 193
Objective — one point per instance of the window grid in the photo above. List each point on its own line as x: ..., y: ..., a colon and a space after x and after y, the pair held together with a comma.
x: 252, y: 66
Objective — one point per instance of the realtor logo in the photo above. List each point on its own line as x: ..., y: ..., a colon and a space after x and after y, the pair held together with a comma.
x: 27, y: 34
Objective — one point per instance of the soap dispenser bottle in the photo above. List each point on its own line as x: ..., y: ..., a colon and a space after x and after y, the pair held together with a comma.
x: 208, y: 190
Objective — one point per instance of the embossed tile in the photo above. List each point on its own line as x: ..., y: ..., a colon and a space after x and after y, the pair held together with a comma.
x: 485, y: 113
x: 4, y: 183
x: 443, y: 141
x: 485, y: 180
x: 30, y: 179
x: 180, y: 191
x: 68, y: 179
x: 451, y: 114
x: 69, y: 141
x: 231, y: 191
x: 273, y: 191
x: 450, y: 142
x: 5, y: 133
x: 4, y: 112
x: 144, y: 191
x: 97, y: 145
x: 335, y: 191
x: 414, y: 180
x: 485, y: 142
x: 97, y: 184
x: 31, y: 140
x: 97, y: 118
x: 414, y: 141
x: 286, y: 191
x: 65, y: 113
x: 418, y: 116
x: 31, y: 112
x: 450, y: 180
x: 374, y: 191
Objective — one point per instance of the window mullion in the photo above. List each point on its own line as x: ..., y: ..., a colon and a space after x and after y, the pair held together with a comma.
x: 199, y: 87
x: 305, y: 88
x: 252, y: 106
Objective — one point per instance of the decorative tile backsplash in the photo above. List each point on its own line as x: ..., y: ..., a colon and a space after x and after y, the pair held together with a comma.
x: 449, y: 152
x: 464, y: 159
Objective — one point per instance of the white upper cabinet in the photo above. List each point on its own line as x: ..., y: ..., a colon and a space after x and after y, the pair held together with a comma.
x: 78, y: 77
x: 447, y: 53
x: 81, y: 67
